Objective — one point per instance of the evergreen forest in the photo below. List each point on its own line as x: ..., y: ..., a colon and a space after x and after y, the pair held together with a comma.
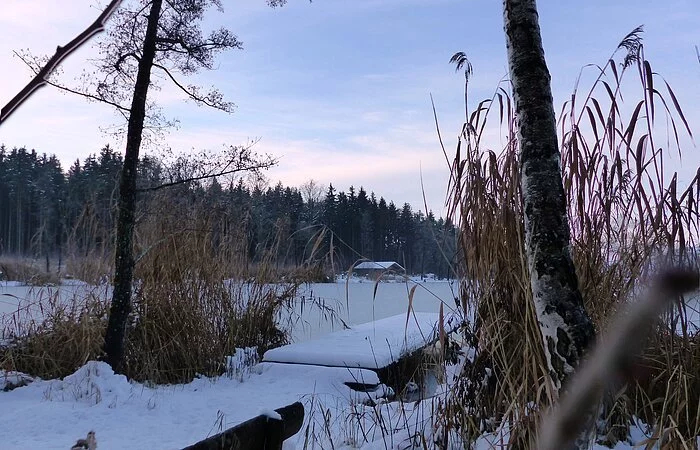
x: 49, y: 213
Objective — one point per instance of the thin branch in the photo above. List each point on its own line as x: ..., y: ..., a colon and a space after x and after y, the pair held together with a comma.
x: 259, y: 166
x: 223, y: 106
x: 69, y: 90
x: 122, y: 58
x: 61, y: 53
x: 186, y: 48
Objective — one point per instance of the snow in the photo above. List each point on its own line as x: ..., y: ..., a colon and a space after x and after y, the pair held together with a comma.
x: 357, y: 302
x: 27, y: 301
x: 270, y: 414
x: 133, y: 415
x: 372, y: 345
x: 53, y: 414
x: 691, y: 314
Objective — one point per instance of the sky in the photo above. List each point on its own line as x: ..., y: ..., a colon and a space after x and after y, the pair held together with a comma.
x: 338, y: 90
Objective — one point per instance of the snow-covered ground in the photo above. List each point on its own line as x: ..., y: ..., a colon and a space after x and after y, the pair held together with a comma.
x: 28, y: 302
x: 371, y: 345
x: 52, y: 414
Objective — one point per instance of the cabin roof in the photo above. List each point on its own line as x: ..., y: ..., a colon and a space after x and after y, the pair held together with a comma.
x: 379, y: 265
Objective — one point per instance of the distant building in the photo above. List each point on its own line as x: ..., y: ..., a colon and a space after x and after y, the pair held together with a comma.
x: 378, y: 269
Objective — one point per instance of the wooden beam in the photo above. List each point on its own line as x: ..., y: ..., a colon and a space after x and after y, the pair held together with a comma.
x: 259, y: 433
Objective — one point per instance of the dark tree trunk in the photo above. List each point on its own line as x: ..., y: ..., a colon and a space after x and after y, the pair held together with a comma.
x: 124, y: 262
x: 566, y: 328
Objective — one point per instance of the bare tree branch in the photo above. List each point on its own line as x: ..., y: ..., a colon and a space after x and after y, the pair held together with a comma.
x: 41, y: 78
x: 184, y: 47
x: 36, y: 70
x: 251, y: 168
x: 212, y: 99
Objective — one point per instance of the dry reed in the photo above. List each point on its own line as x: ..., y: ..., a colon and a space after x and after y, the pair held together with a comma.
x: 628, y: 216
x: 193, y: 304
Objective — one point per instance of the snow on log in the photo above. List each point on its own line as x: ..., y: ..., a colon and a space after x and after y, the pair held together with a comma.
x: 372, y: 345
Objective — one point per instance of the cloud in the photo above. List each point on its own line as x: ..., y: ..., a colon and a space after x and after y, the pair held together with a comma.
x: 389, y: 162
x: 33, y: 15
x: 340, y: 90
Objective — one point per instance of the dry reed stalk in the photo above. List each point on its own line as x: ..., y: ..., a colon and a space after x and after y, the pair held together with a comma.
x: 628, y: 218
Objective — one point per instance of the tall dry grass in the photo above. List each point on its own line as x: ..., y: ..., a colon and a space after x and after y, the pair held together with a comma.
x: 191, y: 307
x: 50, y: 335
x: 629, y: 214
x: 26, y: 269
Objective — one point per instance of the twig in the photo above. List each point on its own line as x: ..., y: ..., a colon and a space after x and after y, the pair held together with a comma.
x: 42, y: 76
x: 611, y: 358
x: 192, y: 93
x: 262, y: 165
x: 28, y: 62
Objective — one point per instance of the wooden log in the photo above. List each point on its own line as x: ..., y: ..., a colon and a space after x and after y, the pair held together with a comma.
x: 259, y: 433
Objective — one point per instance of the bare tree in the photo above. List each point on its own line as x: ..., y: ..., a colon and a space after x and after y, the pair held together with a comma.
x: 148, y: 35
x: 567, y: 330
x: 311, y: 191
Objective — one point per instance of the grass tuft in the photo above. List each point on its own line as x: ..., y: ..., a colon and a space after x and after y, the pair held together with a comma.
x: 190, y: 311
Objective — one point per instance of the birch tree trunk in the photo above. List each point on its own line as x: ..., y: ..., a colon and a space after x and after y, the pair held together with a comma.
x: 124, y: 264
x: 566, y: 328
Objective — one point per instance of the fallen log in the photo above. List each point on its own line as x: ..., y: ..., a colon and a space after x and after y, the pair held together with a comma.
x: 259, y: 433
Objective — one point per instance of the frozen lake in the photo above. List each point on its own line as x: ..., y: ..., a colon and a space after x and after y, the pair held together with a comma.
x: 353, y: 303
x: 356, y: 303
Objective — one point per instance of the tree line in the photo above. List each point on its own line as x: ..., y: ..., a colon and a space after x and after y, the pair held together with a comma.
x: 46, y: 212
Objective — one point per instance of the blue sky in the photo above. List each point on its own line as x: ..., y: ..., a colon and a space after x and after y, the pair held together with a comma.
x: 339, y: 90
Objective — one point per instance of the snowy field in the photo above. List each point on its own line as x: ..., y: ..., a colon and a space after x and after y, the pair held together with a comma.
x: 52, y: 414
x: 131, y: 415
x: 354, y: 302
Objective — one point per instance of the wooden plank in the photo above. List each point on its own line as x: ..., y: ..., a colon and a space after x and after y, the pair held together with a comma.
x: 259, y: 433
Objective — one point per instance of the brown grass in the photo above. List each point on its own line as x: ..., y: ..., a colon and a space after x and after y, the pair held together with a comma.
x: 26, y: 270
x: 628, y: 216
x: 186, y: 318
x: 51, y: 337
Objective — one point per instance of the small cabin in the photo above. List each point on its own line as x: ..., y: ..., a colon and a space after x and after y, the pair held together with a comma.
x: 377, y: 269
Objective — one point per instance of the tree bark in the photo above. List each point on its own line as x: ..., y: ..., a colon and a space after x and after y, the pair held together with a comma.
x: 124, y: 261
x: 566, y: 328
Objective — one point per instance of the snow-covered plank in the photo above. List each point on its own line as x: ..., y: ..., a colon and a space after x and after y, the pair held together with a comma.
x: 372, y: 345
